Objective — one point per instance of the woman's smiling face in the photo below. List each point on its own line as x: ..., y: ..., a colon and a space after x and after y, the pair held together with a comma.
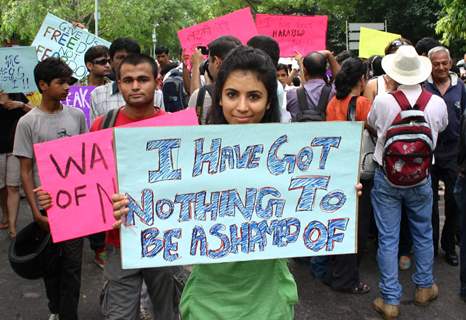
x: 244, y: 98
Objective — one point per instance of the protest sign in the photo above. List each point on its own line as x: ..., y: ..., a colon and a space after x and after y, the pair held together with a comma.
x: 238, y: 23
x: 59, y: 38
x: 227, y: 193
x: 79, y: 173
x: 80, y: 97
x: 373, y: 42
x: 17, y: 69
x: 294, y: 33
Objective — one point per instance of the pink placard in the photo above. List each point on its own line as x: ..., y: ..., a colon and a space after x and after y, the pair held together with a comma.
x: 238, y: 23
x: 294, y: 33
x: 79, y: 172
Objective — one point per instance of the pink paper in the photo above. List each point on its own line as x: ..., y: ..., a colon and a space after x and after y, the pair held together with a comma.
x: 294, y: 33
x: 79, y: 172
x: 238, y: 23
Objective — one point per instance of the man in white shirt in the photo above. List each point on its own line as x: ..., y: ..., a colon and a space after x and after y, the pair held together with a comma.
x: 408, y: 70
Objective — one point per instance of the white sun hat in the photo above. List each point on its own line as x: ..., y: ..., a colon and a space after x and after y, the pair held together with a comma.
x: 405, y: 66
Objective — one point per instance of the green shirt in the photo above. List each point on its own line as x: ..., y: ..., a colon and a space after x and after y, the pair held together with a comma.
x: 262, y: 289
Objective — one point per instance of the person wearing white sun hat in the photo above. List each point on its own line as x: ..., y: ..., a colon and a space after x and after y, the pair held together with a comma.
x: 409, y: 70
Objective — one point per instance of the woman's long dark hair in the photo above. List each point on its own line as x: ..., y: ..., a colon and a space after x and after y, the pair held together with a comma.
x: 247, y: 59
x: 352, y: 70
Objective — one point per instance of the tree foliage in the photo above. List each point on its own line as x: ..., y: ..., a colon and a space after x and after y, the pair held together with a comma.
x: 413, y: 19
x: 452, y: 24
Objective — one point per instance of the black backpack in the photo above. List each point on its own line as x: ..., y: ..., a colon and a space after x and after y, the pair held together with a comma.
x: 174, y: 95
x: 312, y: 113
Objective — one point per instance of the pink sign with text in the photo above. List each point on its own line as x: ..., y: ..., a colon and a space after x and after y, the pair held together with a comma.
x: 238, y: 23
x: 79, y: 172
x: 294, y: 33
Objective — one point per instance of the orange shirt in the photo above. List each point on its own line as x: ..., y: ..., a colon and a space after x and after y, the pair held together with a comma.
x: 337, y: 109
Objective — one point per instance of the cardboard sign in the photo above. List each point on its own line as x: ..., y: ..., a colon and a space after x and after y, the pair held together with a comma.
x: 79, y: 173
x: 238, y: 23
x: 59, y: 38
x: 17, y: 69
x: 80, y: 97
x: 227, y: 193
x: 294, y: 33
x: 373, y: 42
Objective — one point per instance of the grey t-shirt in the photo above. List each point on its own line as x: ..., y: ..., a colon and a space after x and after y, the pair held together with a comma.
x: 38, y: 126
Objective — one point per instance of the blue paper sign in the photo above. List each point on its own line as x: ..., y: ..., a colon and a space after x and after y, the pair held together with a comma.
x: 225, y: 193
x: 17, y: 69
x: 59, y: 38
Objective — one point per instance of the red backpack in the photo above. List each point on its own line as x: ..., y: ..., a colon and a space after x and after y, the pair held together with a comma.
x: 408, y: 148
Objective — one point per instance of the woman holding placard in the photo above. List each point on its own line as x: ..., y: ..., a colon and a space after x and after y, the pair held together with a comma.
x: 245, y: 93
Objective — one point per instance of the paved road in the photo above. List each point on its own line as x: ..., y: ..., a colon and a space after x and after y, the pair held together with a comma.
x: 22, y: 299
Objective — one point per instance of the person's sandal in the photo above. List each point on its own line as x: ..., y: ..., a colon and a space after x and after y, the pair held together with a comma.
x: 360, y: 288
x: 4, y: 225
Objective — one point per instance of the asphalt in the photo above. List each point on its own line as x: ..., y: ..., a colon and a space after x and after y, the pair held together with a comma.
x: 22, y: 299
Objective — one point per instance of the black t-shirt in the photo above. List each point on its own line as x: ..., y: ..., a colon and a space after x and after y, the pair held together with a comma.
x: 8, y: 121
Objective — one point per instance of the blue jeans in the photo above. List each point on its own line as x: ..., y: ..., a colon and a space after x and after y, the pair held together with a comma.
x: 459, y: 192
x: 387, y: 202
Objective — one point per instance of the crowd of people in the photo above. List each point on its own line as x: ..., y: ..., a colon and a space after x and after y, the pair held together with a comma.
x: 411, y: 102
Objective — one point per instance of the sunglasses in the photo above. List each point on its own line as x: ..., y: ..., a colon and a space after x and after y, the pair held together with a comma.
x: 398, y: 43
x: 101, y: 62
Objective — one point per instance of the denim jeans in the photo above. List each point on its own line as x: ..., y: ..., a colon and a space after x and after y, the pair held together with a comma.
x: 459, y: 192
x: 387, y: 202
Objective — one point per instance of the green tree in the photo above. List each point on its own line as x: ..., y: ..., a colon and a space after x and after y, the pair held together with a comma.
x: 452, y: 24
x: 22, y: 19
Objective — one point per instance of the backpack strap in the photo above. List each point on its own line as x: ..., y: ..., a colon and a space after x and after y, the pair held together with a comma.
x: 302, y: 101
x: 109, y: 119
x: 200, y: 102
x: 323, y: 100
x: 404, y: 104
x: 401, y: 100
x: 422, y: 100
x: 351, y: 114
x: 201, y: 97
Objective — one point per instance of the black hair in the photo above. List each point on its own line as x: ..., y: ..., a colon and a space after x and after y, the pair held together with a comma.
x: 135, y: 59
x: 161, y: 50
x: 315, y: 64
x: 374, y: 66
x: 126, y: 44
x: 352, y: 70
x: 282, y: 66
x: 50, y: 69
x: 247, y: 59
x: 268, y: 45
x: 221, y: 46
x: 425, y: 44
x: 95, y: 52
x: 168, y: 67
x: 342, y: 56
x: 296, y: 81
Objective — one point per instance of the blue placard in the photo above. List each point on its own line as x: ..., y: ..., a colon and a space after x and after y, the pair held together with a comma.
x: 224, y: 193
x: 59, y: 38
x: 17, y: 69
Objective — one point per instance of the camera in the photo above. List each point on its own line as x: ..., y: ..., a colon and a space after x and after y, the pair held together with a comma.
x: 204, y: 50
